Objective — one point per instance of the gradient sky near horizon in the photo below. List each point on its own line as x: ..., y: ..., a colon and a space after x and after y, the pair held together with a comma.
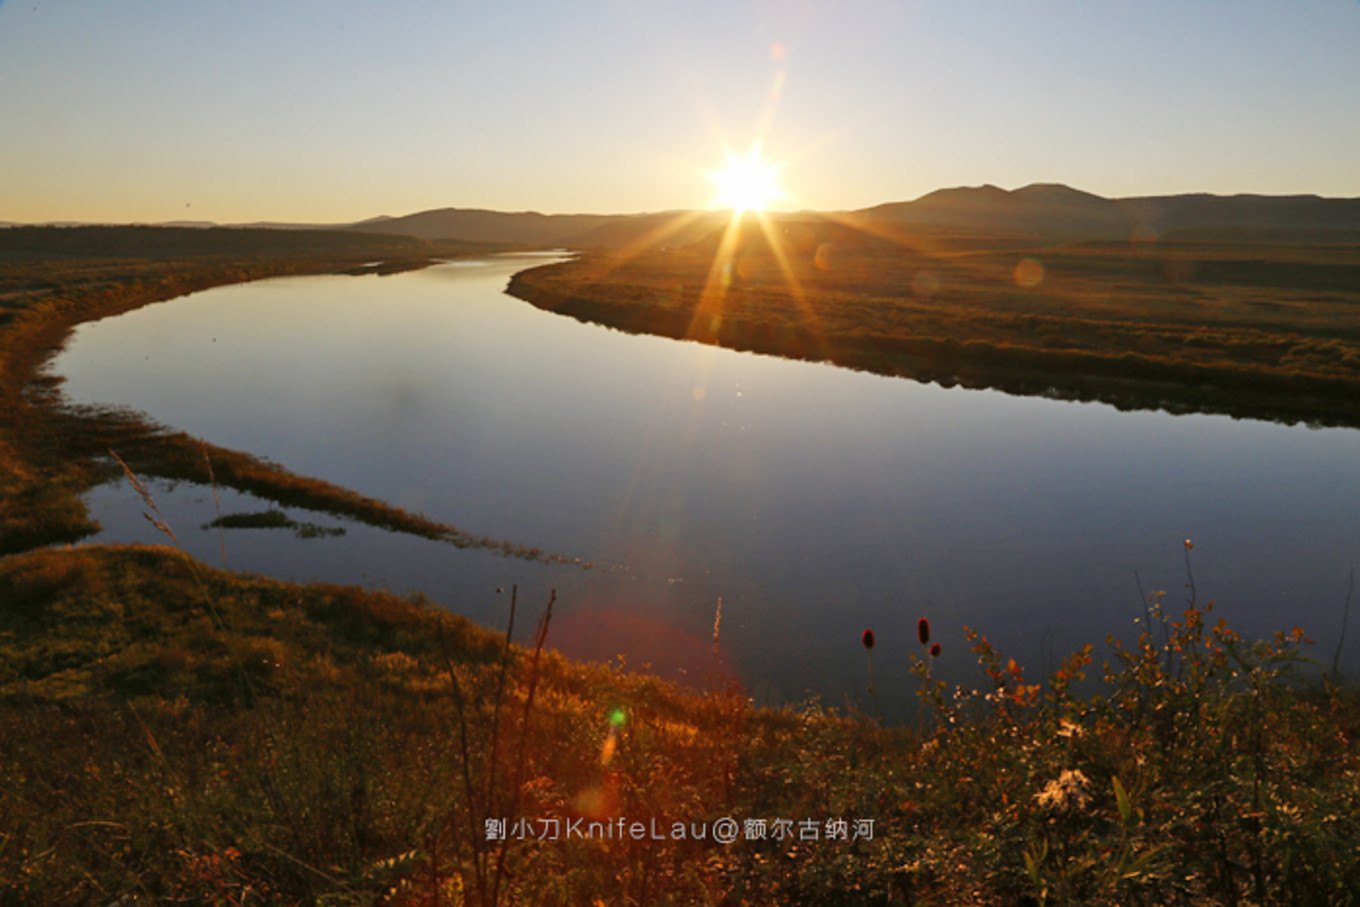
x: 155, y: 110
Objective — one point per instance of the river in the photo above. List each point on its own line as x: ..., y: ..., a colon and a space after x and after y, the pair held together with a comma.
x: 814, y: 501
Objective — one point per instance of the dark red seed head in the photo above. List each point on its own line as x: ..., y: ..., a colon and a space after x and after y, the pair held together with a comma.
x: 923, y: 631
x: 868, y: 639
x: 935, y: 651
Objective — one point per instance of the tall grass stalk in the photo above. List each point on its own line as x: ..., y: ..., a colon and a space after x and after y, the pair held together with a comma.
x: 154, y: 516
x: 540, y: 637
x: 1345, y: 617
x: 923, y: 636
x: 477, y: 841
x: 1147, y: 614
x: 217, y: 503
x: 1189, y: 574
x: 868, y: 639
x: 500, y: 690
x: 488, y: 863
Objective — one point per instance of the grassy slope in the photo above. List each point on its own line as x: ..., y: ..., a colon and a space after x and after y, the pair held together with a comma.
x: 52, y: 279
x: 171, y: 732
x: 1252, y: 329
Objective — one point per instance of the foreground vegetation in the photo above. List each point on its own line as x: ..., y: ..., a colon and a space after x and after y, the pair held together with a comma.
x: 1251, y: 326
x: 52, y: 279
x: 172, y: 733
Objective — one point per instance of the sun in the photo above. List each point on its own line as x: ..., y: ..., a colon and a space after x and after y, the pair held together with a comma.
x: 746, y: 184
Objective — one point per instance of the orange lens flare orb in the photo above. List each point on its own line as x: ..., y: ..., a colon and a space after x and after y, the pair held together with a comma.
x: 746, y: 183
x: 1029, y: 273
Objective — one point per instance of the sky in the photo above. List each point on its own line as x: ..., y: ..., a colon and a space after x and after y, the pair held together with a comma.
x: 337, y: 111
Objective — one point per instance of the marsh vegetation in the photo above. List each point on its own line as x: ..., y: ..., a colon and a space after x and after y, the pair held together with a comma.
x: 55, y: 278
x: 1250, y: 324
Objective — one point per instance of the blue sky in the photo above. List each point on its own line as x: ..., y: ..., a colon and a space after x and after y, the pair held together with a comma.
x: 307, y: 111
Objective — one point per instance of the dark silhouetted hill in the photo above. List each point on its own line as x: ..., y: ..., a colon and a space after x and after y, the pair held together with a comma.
x: 1051, y: 211
x: 1043, y: 211
x: 528, y: 227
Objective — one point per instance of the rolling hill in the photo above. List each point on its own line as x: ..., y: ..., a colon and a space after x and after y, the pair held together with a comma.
x: 1041, y: 212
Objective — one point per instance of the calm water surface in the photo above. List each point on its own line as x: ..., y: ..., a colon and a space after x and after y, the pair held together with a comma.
x: 816, y: 501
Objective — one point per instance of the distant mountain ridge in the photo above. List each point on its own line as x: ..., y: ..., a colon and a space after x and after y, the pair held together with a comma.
x: 1055, y: 211
x: 1049, y: 212
x: 488, y: 226
x: 1041, y: 211
x: 1044, y: 209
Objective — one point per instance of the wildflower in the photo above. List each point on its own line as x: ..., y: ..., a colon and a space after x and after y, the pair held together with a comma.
x: 923, y: 631
x: 868, y: 639
x: 935, y: 651
x: 1070, y: 792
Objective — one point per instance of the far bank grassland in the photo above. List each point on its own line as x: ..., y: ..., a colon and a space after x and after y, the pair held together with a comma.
x: 1239, y: 324
x: 171, y: 732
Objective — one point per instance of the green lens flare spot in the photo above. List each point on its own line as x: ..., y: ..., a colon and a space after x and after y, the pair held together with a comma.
x: 616, y: 717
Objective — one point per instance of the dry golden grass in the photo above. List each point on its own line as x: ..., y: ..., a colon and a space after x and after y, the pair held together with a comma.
x: 1251, y: 329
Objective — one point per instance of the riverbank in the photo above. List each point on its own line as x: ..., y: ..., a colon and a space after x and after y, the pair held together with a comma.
x: 169, y: 731
x: 53, y: 279
x: 1253, y: 330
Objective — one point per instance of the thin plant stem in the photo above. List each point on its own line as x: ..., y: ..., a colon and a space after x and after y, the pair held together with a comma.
x: 540, y: 637
x: 1189, y: 575
x: 1190, y: 584
x: 1143, y: 599
x: 310, y: 868
x: 478, y: 868
x: 1147, y: 611
x: 1345, y: 617
x: 873, y: 693
x: 921, y: 696
x: 500, y: 691
x: 217, y: 504
x: 432, y: 845
x: 220, y: 624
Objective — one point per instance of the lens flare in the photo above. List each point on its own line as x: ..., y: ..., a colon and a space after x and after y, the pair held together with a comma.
x: 1029, y: 273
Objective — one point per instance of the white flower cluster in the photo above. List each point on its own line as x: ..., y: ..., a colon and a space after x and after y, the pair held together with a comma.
x: 1070, y: 792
